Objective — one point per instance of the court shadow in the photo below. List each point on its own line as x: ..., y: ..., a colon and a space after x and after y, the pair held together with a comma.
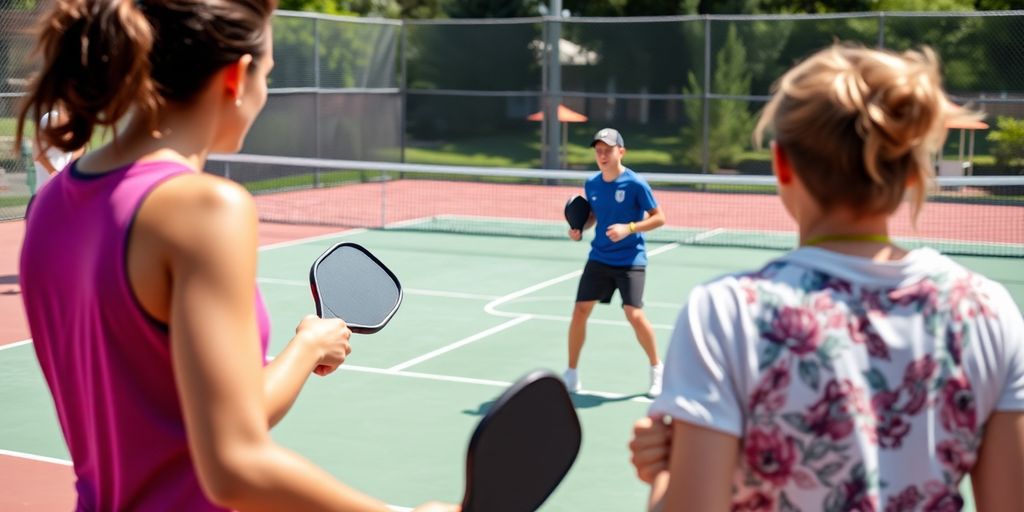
x: 587, y: 401
x: 579, y: 401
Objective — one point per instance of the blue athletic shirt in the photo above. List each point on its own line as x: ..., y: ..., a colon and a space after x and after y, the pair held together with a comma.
x: 621, y: 201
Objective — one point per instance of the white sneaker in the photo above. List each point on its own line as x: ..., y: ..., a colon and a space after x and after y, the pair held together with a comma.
x: 656, y: 372
x: 572, y: 380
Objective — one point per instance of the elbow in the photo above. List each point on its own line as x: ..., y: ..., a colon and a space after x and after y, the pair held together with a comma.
x: 224, y: 487
x: 228, y: 480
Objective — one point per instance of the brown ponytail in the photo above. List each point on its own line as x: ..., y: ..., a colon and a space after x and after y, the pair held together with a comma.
x: 103, y: 58
x: 95, y: 68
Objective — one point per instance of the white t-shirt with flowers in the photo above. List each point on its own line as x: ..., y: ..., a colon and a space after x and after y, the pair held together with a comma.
x: 853, y: 384
x: 58, y: 158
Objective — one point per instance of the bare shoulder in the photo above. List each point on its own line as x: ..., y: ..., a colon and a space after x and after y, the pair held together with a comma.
x: 199, y: 209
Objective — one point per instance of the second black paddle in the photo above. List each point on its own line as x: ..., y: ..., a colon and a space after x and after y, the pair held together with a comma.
x: 523, y: 447
x: 577, y: 212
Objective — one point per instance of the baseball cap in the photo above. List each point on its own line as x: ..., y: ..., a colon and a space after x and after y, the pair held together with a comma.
x: 609, y: 136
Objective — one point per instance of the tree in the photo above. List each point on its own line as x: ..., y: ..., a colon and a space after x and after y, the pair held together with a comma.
x: 492, y: 8
x: 1009, y: 142
x: 321, y: 6
x: 730, y: 120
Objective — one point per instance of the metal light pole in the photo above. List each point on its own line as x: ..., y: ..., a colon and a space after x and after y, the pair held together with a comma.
x: 552, y: 128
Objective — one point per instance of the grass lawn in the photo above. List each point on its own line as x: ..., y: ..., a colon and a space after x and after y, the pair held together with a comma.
x: 9, y: 201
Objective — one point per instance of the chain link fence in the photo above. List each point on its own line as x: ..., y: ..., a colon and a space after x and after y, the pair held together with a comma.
x: 685, y: 91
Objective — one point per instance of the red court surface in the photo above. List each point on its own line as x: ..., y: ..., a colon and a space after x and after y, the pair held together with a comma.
x: 36, y: 485
x: 404, y: 200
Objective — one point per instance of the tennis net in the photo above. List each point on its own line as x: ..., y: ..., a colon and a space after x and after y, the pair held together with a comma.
x: 971, y: 215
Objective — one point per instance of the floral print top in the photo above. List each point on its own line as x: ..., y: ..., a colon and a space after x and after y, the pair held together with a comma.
x: 854, y: 385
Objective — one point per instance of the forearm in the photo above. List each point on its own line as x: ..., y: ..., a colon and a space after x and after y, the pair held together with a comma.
x: 270, y: 477
x: 46, y: 165
x: 656, y: 502
x: 284, y: 377
x: 650, y: 223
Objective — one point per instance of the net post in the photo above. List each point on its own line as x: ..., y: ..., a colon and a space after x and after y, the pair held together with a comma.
x: 881, y: 30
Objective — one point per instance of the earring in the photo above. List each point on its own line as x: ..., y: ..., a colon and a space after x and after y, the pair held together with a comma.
x: 238, y: 102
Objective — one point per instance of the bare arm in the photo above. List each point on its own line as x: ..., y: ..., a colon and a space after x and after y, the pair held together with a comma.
x: 577, y: 234
x: 284, y: 377
x: 650, y: 448
x: 655, y: 219
x: 216, y: 359
x: 701, y: 467
x: 998, y: 476
x: 42, y: 159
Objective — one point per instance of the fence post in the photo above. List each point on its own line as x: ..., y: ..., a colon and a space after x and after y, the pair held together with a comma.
x: 552, y: 128
x: 403, y: 46
x: 706, y: 99
x: 316, y: 98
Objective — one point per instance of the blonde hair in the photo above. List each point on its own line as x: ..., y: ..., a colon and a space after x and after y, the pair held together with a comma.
x: 860, y: 125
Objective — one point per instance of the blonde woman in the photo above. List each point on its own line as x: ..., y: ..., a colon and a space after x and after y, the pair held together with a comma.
x: 850, y: 373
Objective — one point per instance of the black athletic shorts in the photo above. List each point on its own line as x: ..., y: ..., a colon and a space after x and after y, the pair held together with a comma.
x: 599, y: 282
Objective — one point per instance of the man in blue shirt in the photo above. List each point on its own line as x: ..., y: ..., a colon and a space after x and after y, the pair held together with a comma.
x: 623, y: 208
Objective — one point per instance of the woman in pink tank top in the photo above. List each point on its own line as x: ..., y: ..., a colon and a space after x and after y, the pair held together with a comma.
x: 153, y: 336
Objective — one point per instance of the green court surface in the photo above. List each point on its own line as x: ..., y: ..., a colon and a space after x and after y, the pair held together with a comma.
x: 478, y: 313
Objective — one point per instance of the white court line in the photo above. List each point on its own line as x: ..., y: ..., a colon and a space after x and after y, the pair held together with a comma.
x: 463, y: 342
x: 425, y: 376
x: 300, y: 241
x: 664, y: 248
x: 516, y: 318
x: 600, y: 321
x: 37, y: 458
x: 16, y: 344
x: 509, y: 314
x: 448, y: 295
x: 490, y: 306
x: 562, y: 299
x: 267, y: 247
x: 479, y: 382
x: 409, y: 222
x: 705, y: 235
x: 406, y: 291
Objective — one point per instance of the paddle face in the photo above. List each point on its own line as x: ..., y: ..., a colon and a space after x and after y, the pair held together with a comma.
x: 523, y: 447
x: 577, y: 211
x: 351, y: 284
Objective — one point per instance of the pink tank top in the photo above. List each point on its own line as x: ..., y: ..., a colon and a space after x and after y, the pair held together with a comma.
x: 106, y: 361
